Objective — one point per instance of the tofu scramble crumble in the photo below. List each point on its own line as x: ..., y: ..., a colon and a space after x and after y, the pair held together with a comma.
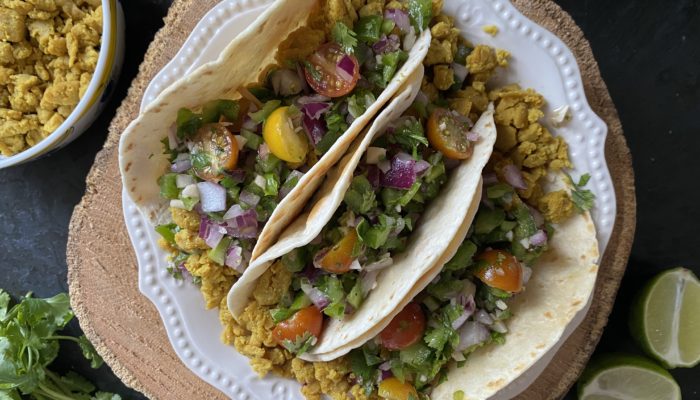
x: 48, y: 54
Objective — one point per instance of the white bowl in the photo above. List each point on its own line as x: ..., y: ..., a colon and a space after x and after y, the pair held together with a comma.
x: 91, y: 104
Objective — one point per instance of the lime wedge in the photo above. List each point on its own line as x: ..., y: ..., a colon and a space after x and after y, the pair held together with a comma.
x: 626, y: 377
x: 665, y: 318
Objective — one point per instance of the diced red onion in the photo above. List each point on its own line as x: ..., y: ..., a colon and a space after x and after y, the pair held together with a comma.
x: 302, y: 78
x: 212, y: 196
x: 315, y: 110
x: 211, y: 232
x: 499, y: 326
x: 385, y: 366
x: 181, y: 164
x: 537, y: 216
x: 514, y: 177
x: 285, y: 189
x: 386, y: 44
x: 315, y: 129
x: 457, y: 323
x: 263, y: 150
x: 385, y: 375
x: 483, y: 317
x: 315, y: 98
x: 368, y: 281
x: 234, y: 258
x: 355, y: 265
x: 173, y: 141
x: 473, y: 136
x: 400, y: 18
x: 374, y: 175
x: 249, y: 198
x: 237, y: 175
x: 316, y: 296
x: 472, y: 333
x: 410, y: 39
x: 422, y: 98
x: 402, y: 174
x: 345, y: 68
x: 460, y: 72
x: 249, y: 124
x: 489, y: 178
x: 241, y: 223
x: 384, y: 166
x: 527, y: 274
x: 379, y: 264
x: 420, y: 167
x: 539, y: 238
x: 286, y: 82
x: 400, y: 224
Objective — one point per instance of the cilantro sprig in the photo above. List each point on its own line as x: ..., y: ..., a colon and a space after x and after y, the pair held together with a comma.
x: 345, y: 37
x: 583, y: 198
x: 29, y: 343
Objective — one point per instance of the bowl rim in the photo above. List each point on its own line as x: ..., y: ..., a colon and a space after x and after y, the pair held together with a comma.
x: 103, y: 70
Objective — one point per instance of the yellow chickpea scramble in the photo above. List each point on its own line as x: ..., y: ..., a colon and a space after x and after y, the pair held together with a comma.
x: 522, y: 141
x: 48, y: 53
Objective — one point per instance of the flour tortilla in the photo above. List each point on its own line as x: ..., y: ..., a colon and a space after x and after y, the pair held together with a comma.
x: 141, y: 161
x: 442, y: 228
x: 562, y: 283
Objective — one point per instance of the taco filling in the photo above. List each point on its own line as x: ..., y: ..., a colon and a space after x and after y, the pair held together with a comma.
x: 234, y: 160
x: 399, y: 175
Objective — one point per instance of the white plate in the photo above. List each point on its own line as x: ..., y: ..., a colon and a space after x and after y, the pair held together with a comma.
x: 539, y: 60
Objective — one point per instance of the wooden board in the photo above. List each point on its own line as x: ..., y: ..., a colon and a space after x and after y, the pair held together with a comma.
x: 126, y: 328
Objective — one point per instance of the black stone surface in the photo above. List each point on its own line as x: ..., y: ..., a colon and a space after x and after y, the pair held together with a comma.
x: 649, y: 54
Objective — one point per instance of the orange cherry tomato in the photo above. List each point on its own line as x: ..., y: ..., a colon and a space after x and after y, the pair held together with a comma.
x: 307, y: 320
x: 214, y: 150
x: 394, y: 389
x: 326, y: 80
x: 503, y: 271
x: 447, y: 134
x: 405, y: 329
x: 339, y: 258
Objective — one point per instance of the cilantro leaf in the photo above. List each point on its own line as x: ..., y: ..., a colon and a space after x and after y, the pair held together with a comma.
x: 583, y: 198
x: 360, y: 198
x: 89, y: 352
x: 345, y: 37
x: 410, y: 136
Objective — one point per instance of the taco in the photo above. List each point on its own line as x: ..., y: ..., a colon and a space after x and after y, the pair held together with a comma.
x: 226, y: 156
x: 370, y: 236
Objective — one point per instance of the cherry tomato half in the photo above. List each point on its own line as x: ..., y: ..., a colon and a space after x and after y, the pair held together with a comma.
x: 327, y: 80
x: 285, y: 142
x: 447, y: 134
x: 214, y: 150
x: 503, y: 271
x: 393, y: 389
x: 339, y: 258
x: 307, y: 320
x: 405, y: 329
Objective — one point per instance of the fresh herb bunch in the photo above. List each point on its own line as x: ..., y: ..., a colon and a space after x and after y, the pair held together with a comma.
x: 28, y: 345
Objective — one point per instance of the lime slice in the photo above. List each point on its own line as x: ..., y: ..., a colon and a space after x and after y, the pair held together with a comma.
x: 626, y: 377
x: 665, y: 318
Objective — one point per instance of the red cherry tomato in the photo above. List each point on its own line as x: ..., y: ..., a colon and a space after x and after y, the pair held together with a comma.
x: 325, y: 77
x: 405, y: 329
x: 307, y: 320
x: 503, y: 271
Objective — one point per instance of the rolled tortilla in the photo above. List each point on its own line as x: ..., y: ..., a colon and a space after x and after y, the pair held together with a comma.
x: 443, y: 227
x: 141, y: 158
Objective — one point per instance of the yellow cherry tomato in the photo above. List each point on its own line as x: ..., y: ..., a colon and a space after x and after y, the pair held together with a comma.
x: 339, y: 257
x: 282, y: 139
x: 394, y: 389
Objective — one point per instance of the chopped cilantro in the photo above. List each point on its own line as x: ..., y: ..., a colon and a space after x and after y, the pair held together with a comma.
x: 345, y: 37
x: 583, y: 198
x: 410, y: 135
x: 360, y: 198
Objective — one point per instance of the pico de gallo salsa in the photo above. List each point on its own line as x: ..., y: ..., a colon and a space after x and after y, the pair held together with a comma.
x: 234, y: 160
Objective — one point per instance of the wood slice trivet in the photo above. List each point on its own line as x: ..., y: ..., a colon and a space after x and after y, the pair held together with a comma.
x: 126, y: 328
